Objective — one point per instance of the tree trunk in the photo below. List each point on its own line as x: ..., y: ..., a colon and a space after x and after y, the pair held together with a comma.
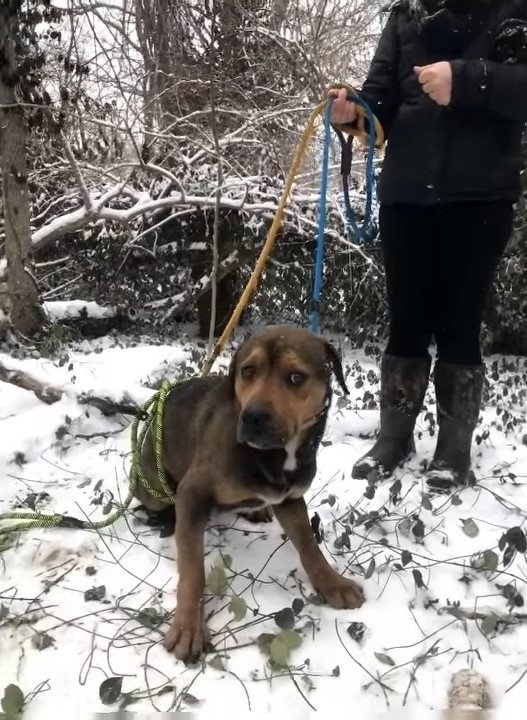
x: 278, y: 14
x: 26, y: 313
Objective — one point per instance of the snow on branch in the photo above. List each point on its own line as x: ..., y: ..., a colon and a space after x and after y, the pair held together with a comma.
x: 82, y: 217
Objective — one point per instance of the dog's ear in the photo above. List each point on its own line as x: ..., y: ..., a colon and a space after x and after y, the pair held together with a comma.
x: 336, y: 364
x: 234, y: 360
x: 232, y: 368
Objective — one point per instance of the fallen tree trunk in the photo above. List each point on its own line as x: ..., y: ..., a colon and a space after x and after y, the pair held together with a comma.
x: 95, y: 327
x: 51, y: 394
x: 125, y: 406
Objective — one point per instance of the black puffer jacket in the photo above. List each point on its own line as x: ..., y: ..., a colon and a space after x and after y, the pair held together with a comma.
x: 469, y: 150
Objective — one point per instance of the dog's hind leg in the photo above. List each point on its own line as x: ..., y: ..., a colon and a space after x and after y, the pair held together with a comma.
x: 164, y: 519
x: 265, y: 515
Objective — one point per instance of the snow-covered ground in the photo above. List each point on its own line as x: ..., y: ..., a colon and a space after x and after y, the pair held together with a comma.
x: 79, y: 608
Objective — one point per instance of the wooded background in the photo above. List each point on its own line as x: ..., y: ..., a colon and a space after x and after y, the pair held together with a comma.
x: 144, y: 144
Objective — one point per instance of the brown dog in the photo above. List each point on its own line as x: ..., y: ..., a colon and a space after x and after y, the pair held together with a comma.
x: 247, y: 441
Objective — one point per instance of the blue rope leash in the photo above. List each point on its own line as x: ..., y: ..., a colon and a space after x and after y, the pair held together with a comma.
x: 322, y: 217
x: 362, y: 233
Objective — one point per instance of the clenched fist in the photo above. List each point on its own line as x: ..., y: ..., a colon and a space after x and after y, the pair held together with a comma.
x: 343, y: 112
x: 436, y: 81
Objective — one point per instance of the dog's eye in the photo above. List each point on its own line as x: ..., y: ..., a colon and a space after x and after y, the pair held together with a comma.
x: 296, y: 379
x: 247, y: 372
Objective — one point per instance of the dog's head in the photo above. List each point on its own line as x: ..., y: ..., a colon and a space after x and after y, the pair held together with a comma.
x: 281, y: 379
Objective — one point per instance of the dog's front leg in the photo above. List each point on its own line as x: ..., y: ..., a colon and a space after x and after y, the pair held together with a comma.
x: 188, y: 633
x: 338, y: 591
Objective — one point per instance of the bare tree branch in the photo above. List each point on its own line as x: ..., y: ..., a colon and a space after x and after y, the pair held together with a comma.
x: 51, y: 394
x: 217, y: 204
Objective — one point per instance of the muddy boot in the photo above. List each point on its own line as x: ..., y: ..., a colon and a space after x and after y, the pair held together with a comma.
x: 403, y: 387
x: 458, y: 396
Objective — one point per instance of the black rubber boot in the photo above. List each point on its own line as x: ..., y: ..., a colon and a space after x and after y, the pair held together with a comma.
x: 403, y: 387
x: 459, y: 389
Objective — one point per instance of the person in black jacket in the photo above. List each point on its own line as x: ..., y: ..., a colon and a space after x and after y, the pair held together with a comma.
x: 448, y: 84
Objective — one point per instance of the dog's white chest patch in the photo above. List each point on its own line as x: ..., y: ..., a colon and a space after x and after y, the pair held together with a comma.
x: 290, y: 460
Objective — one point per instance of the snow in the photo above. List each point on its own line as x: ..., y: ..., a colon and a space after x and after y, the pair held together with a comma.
x: 80, y: 459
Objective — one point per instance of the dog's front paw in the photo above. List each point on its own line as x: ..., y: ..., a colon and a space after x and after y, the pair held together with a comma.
x: 340, y: 592
x: 188, y: 635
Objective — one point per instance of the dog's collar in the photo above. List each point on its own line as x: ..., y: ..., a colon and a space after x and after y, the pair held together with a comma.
x: 325, y: 408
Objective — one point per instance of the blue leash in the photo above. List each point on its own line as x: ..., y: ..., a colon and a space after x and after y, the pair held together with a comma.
x: 322, y: 217
x: 363, y: 233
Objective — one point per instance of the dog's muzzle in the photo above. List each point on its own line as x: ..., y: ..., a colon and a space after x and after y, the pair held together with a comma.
x: 257, y: 428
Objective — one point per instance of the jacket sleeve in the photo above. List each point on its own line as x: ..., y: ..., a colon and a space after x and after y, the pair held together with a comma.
x: 381, y: 87
x: 496, y: 88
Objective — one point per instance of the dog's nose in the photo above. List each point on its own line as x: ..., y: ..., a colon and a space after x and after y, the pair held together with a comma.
x: 256, y: 420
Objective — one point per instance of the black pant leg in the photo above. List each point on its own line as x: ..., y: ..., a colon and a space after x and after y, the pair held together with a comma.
x: 407, y: 239
x: 472, y: 241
